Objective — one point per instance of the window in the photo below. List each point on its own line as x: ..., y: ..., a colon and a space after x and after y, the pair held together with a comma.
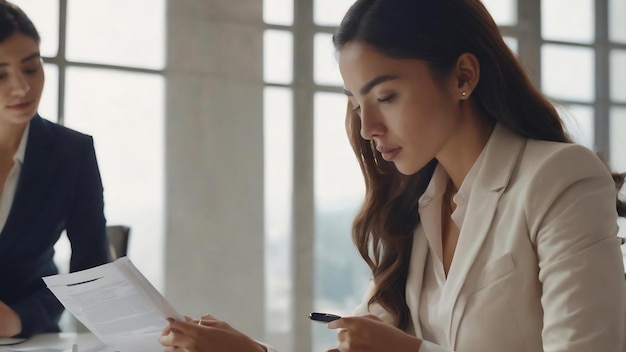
x: 323, y: 204
x: 104, y: 77
x: 278, y: 142
x: 319, y: 168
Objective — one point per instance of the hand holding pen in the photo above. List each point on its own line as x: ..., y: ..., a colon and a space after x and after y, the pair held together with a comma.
x: 370, y: 333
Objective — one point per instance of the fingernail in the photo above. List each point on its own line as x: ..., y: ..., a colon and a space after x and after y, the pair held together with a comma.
x: 171, y: 320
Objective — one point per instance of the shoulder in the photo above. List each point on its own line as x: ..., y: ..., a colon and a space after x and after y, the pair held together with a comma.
x: 568, y: 160
x: 67, y: 140
x: 554, y: 177
x: 65, y: 133
x: 547, y: 170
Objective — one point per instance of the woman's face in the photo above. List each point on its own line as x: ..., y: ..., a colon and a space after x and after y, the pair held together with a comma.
x: 21, y: 78
x: 409, y: 114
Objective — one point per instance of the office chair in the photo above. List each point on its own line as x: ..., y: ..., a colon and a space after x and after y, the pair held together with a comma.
x: 118, y: 240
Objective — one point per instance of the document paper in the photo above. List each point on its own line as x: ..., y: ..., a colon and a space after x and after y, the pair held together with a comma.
x: 116, y: 303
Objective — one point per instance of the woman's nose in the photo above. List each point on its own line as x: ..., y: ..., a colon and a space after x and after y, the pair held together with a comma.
x: 371, y: 125
x: 19, y: 85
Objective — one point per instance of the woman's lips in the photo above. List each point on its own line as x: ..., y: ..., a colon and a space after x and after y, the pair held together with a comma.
x: 389, y: 153
x: 20, y: 106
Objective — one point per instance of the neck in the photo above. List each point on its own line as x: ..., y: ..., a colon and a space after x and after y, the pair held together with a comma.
x: 464, y: 146
x: 10, y: 137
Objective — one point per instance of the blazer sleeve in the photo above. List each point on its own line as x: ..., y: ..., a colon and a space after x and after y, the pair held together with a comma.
x: 38, y: 312
x: 572, y: 217
x: 86, y: 224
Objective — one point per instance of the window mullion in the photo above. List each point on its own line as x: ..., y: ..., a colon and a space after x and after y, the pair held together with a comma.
x: 530, y: 38
x: 602, y: 82
x: 303, y: 196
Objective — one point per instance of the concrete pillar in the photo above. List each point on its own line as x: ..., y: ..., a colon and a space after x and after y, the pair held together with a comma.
x: 214, y: 161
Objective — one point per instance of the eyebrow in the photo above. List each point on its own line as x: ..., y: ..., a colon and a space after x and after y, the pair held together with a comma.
x: 371, y: 84
x: 27, y: 58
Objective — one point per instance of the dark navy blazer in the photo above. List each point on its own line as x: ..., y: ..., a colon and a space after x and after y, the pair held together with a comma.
x: 59, y: 188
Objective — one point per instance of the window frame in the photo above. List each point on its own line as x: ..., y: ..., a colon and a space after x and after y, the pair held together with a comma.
x: 62, y: 63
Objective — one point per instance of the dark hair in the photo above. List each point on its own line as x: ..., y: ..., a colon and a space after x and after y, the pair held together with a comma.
x: 13, y: 19
x: 437, y: 32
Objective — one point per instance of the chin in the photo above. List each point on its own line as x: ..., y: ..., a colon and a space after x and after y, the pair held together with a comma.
x: 24, y: 117
x: 410, y: 169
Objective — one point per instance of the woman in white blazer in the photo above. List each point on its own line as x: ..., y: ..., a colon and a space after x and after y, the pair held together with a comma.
x: 485, y: 228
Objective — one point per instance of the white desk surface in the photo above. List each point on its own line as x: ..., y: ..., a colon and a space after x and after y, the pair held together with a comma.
x: 63, y: 340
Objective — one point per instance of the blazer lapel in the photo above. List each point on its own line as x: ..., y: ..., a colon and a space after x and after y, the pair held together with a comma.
x: 501, y: 156
x: 415, y: 277
x: 38, y: 170
x: 429, y: 207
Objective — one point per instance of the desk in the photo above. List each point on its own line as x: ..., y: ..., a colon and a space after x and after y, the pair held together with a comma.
x: 61, y: 341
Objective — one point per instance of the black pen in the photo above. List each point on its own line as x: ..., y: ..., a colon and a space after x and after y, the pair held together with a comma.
x: 323, y: 317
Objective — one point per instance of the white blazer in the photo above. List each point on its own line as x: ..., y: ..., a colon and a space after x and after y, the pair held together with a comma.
x: 541, y: 266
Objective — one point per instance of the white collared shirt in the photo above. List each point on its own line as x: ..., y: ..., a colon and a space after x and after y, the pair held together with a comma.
x: 432, y: 324
x: 10, y: 185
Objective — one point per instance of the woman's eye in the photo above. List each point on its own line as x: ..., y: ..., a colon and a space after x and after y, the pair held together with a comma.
x: 354, y: 106
x: 30, y: 71
x: 387, y: 99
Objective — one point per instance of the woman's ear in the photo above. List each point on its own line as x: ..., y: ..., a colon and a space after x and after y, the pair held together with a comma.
x: 467, y: 75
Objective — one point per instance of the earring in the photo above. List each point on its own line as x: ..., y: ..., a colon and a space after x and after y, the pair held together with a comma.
x: 463, y: 94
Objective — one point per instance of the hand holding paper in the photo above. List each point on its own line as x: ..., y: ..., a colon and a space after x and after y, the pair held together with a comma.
x: 116, y: 303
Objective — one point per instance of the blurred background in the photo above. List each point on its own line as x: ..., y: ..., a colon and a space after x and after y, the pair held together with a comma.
x: 218, y: 127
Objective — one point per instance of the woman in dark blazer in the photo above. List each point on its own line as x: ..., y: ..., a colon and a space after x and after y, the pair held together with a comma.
x: 49, y: 182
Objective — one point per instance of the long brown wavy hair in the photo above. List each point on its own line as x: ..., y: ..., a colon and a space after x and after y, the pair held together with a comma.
x: 437, y: 32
